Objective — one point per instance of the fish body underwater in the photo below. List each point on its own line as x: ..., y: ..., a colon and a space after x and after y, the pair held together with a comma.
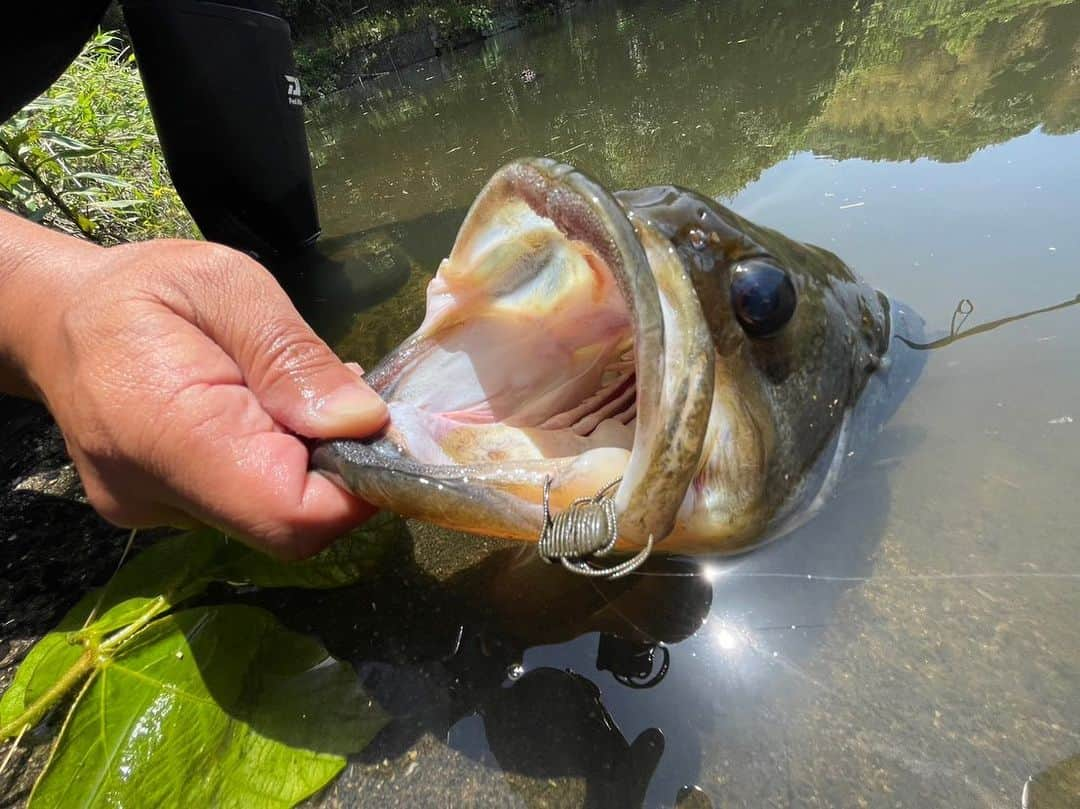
x: 715, y: 375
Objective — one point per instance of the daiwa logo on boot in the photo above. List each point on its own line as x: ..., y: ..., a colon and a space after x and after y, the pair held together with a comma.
x: 292, y: 90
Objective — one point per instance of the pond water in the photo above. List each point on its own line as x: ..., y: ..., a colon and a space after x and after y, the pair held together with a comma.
x: 918, y: 644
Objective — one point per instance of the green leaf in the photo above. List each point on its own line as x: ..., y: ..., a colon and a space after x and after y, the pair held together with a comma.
x: 113, y: 204
x: 215, y: 706
x: 175, y: 569
x: 15, y: 142
x: 104, y: 179
x: 9, y: 178
x: 52, y: 657
x: 68, y: 144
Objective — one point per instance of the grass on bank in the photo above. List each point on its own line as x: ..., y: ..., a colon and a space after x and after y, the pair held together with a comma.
x: 84, y: 157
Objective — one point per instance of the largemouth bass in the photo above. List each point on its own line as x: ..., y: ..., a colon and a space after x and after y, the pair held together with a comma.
x: 647, y: 362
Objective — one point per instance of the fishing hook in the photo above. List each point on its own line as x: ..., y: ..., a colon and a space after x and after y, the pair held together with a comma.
x: 587, y: 529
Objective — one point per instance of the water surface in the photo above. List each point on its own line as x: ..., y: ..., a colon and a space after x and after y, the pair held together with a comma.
x: 916, y: 645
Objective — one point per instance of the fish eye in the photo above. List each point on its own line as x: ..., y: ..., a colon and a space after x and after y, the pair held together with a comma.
x: 763, y: 297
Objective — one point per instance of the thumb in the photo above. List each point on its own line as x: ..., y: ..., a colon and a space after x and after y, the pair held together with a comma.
x: 295, y: 376
x: 303, y: 385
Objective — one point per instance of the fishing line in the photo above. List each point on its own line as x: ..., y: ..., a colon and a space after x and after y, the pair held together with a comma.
x: 963, y: 309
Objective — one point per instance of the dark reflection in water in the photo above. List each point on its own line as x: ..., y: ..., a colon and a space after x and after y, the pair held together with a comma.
x: 916, y: 644
x: 442, y: 652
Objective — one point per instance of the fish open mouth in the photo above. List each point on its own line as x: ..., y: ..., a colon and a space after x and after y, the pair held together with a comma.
x: 552, y: 356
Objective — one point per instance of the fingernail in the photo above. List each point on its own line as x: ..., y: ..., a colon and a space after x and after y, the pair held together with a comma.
x: 351, y: 410
x: 355, y: 368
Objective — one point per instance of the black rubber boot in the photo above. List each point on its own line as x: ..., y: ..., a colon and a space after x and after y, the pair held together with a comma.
x: 227, y: 104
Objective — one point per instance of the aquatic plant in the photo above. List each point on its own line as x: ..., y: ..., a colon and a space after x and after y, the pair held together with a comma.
x: 172, y: 701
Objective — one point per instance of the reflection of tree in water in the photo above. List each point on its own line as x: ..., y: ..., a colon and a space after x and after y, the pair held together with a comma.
x: 707, y: 95
x: 922, y: 84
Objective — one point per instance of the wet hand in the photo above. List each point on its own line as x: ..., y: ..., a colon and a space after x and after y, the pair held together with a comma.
x: 184, y: 380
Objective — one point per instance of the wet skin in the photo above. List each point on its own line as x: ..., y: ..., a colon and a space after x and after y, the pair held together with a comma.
x: 651, y: 336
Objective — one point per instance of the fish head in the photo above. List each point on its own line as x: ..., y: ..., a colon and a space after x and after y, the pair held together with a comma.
x: 649, y: 344
x: 796, y: 336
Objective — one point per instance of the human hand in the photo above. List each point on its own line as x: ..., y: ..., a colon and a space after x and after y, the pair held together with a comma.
x: 181, y: 377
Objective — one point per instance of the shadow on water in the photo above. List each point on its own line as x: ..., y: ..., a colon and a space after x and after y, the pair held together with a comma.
x: 441, y: 651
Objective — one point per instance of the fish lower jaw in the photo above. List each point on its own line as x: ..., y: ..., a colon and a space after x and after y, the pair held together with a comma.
x: 501, y: 499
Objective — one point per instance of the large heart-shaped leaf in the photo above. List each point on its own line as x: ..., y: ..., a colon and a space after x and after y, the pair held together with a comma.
x: 214, y: 706
x: 167, y: 573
